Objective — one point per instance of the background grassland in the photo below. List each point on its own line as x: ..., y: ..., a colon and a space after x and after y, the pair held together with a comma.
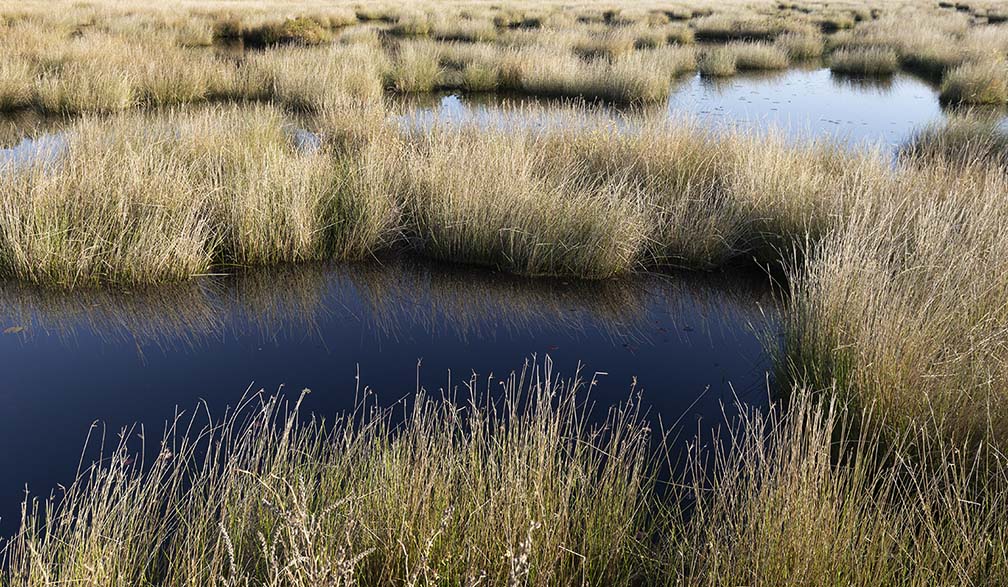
x: 111, y: 56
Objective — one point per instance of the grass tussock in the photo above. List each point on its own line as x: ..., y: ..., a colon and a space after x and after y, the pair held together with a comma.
x: 535, y: 222
x: 17, y: 80
x: 976, y: 83
x: 758, y: 56
x: 717, y: 62
x: 744, y: 27
x: 416, y: 68
x: 871, y: 339
x: 867, y: 61
x: 140, y: 199
x: 801, y: 46
x: 966, y: 140
x: 308, y: 78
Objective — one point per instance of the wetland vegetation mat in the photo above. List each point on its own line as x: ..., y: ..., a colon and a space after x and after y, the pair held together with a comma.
x: 167, y: 165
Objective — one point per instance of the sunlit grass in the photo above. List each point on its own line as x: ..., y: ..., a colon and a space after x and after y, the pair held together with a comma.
x: 868, y: 61
x: 519, y: 481
x: 976, y: 83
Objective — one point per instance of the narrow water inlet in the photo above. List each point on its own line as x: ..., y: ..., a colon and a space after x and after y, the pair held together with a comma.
x: 692, y: 342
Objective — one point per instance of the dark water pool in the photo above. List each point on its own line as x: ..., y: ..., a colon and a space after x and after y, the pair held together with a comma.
x: 691, y: 341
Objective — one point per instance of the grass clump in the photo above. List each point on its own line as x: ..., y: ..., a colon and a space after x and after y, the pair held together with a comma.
x: 758, y: 56
x: 678, y: 34
x: 85, y: 88
x: 976, y: 83
x: 717, y: 62
x: 642, y: 76
x: 726, y: 27
x: 307, y: 78
x: 965, y: 140
x: 416, y: 68
x: 466, y: 30
x: 415, y: 24
x: 868, y: 61
x: 611, y: 44
x: 491, y: 198
x: 301, y: 30
x: 141, y: 199
x: 800, y: 46
x: 932, y: 58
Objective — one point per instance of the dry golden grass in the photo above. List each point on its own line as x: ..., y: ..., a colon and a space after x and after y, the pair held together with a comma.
x: 758, y: 56
x: 977, y: 83
x: 139, y: 199
x: 867, y: 61
x: 522, y: 490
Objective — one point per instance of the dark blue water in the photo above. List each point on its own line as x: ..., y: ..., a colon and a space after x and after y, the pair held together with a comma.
x: 691, y: 342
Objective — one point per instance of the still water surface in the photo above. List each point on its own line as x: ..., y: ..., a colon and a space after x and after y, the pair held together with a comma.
x: 692, y: 342
x: 802, y: 103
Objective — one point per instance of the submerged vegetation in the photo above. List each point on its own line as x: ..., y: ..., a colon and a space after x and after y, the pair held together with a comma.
x: 892, y: 366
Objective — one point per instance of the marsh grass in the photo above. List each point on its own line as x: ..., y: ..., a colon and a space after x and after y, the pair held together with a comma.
x: 416, y: 68
x: 17, y: 78
x: 758, y: 56
x: 967, y: 139
x: 536, y: 222
x: 307, y: 78
x: 518, y: 481
x: 933, y: 58
x: 140, y: 199
x: 362, y: 499
x: 85, y: 88
x: 871, y: 340
x: 717, y: 62
x: 470, y: 30
x: 100, y: 60
x: 811, y: 492
x: 976, y: 83
x: 800, y: 46
x: 641, y: 76
x: 866, y: 61
x: 554, y: 201
x: 742, y: 27
x: 611, y: 44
